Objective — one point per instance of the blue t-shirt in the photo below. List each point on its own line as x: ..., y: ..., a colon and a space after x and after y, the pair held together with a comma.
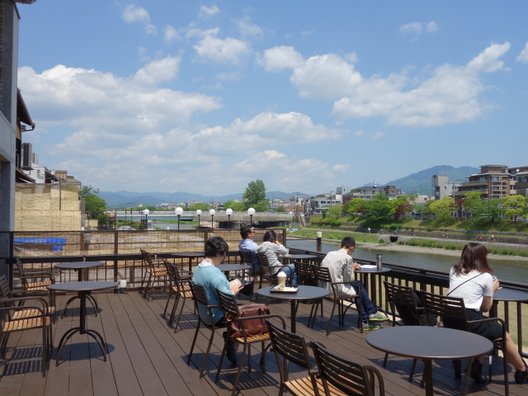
x: 211, y: 278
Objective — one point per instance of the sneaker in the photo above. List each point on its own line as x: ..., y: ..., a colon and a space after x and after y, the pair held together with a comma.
x: 370, y: 327
x: 520, y: 376
x: 378, y: 317
x: 476, y: 372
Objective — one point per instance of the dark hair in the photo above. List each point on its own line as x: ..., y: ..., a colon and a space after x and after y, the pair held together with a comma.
x: 269, y: 236
x: 245, y: 230
x: 473, y: 257
x: 215, y: 247
x: 348, y: 242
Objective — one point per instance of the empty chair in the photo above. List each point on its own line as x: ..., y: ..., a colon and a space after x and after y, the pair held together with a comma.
x: 452, y: 311
x: 323, y: 277
x: 35, y: 281
x: 34, y: 314
x: 341, y: 376
x: 290, y: 347
x: 180, y: 289
x: 155, y: 271
x: 229, y: 305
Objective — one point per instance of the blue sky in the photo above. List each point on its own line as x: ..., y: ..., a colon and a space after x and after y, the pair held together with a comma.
x: 205, y: 97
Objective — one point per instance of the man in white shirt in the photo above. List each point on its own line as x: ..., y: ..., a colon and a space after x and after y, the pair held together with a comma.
x: 341, y: 266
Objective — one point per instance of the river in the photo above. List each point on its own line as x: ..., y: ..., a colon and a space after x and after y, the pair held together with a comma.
x: 507, y: 269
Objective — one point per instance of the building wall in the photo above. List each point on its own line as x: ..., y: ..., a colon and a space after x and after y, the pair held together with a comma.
x: 47, y: 207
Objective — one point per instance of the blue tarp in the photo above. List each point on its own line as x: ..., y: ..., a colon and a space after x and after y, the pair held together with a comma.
x: 56, y: 244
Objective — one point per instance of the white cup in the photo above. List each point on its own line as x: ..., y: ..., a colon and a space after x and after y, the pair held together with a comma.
x: 281, y: 278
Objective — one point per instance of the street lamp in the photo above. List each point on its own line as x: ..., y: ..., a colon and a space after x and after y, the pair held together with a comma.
x: 179, y: 212
x: 251, y: 212
x: 229, y: 212
x: 198, y: 213
x: 146, y: 212
x: 212, y: 213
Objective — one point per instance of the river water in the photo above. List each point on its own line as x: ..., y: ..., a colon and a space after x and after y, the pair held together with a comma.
x: 506, y: 269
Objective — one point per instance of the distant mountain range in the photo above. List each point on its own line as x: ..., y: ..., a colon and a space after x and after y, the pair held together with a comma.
x: 416, y: 183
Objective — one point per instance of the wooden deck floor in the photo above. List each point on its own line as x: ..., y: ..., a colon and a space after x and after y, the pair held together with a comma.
x: 148, y: 358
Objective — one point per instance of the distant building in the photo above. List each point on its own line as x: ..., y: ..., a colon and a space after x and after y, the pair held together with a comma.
x: 442, y: 187
x: 520, y: 177
x: 370, y: 191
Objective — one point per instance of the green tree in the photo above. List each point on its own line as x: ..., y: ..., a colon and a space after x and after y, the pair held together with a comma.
x: 237, y: 206
x: 355, y: 208
x: 515, y: 206
x: 94, y: 205
x: 255, y: 196
x: 378, y: 211
x: 441, y: 209
x: 199, y: 205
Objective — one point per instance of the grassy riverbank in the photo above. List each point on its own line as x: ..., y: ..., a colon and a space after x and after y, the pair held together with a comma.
x: 450, y: 247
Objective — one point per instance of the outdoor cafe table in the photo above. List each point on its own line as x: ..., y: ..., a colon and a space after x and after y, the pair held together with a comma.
x: 82, y: 274
x: 300, y: 256
x: 189, y: 255
x: 303, y: 293
x: 226, y: 268
x: 428, y: 343
x: 83, y: 289
x: 506, y: 295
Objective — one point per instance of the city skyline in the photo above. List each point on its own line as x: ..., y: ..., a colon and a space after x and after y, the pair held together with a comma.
x: 205, y: 97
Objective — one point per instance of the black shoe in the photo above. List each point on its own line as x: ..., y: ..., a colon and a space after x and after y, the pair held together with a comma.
x: 520, y: 377
x: 476, y: 372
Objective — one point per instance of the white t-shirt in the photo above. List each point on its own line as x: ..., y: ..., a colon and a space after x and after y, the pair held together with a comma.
x: 480, y: 284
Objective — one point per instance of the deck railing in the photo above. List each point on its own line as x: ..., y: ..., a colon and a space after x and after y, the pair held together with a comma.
x: 120, y: 252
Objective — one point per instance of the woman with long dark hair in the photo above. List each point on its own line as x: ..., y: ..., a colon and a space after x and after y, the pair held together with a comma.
x: 471, y: 279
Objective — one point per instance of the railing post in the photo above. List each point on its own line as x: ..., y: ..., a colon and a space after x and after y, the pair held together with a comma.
x: 319, y: 241
x: 116, y: 252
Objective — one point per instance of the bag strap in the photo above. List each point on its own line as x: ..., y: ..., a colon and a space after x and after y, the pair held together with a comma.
x: 464, y: 282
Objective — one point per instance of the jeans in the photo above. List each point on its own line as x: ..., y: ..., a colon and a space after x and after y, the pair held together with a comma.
x: 367, y: 307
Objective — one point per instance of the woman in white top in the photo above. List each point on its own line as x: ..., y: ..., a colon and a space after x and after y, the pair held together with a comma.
x: 471, y: 279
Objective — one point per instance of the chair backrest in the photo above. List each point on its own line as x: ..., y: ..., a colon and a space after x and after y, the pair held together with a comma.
x: 264, y: 263
x: 199, y: 294
x: 173, y: 272
x: 407, y: 303
x: 247, y: 257
x: 4, y: 287
x: 349, y: 377
x: 305, y: 273
x: 228, y: 304
x: 290, y: 346
x: 450, y: 309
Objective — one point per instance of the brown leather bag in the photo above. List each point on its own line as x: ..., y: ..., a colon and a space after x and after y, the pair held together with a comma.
x: 252, y: 327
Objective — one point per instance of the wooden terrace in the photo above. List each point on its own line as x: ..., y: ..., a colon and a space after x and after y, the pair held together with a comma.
x: 146, y: 357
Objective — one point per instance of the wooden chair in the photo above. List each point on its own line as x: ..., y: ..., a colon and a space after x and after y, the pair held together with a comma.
x: 452, y: 312
x: 265, y: 270
x: 229, y: 305
x: 180, y: 289
x: 16, y: 315
x: 338, y: 299
x: 247, y: 257
x: 290, y: 347
x: 155, y: 271
x: 200, y: 297
x: 35, y: 281
x: 341, y: 376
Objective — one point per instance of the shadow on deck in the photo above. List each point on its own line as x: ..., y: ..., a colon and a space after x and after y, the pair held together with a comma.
x: 146, y: 357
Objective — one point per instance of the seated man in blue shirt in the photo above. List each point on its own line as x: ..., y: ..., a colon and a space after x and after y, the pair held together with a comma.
x: 247, y: 244
x: 211, y: 278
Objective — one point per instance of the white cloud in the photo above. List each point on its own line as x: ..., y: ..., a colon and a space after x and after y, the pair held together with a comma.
x: 135, y: 14
x: 523, y: 56
x: 279, y: 58
x: 248, y: 28
x: 207, y: 12
x: 451, y: 94
x: 170, y: 34
x: 417, y: 28
x: 158, y: 71
x: 489, y: 59
x: 226, y: 51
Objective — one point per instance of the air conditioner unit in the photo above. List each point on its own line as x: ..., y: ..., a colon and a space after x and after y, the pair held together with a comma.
x: 27, y: 155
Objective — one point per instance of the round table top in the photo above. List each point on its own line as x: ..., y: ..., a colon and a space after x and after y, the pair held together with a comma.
x: 299, y: 256
x: 428, y: 342
x: 75, y: 265
x: 508, y: 294
x: 372, y: 270
x: 233, y: 267
x: 83, y: 286
x: 188, y: 254
x: 304, y: 292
